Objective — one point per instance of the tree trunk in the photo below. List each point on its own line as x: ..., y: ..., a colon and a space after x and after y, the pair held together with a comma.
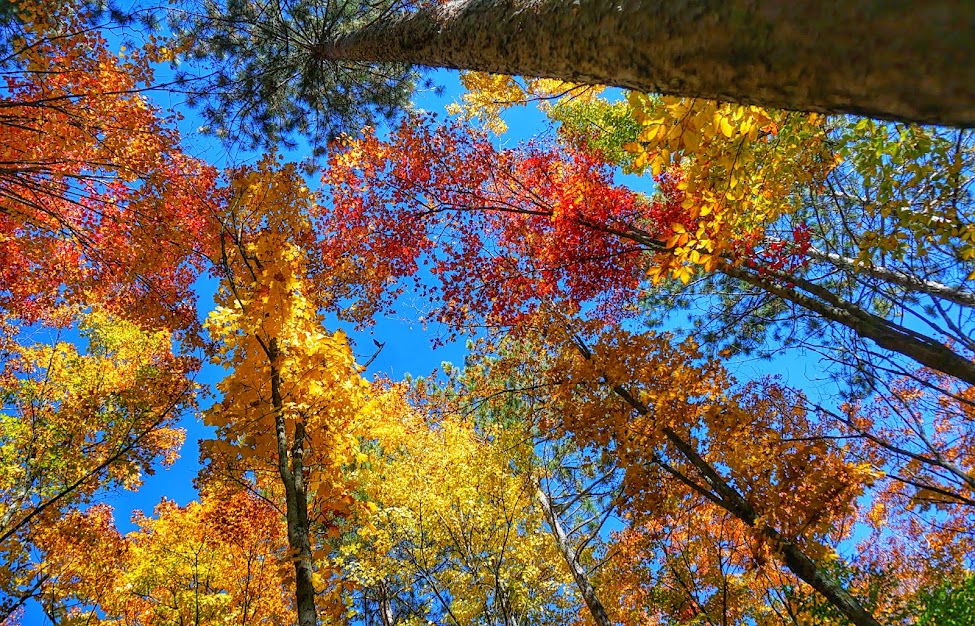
x: 907, y: 61
x: 386, y: 616
x: 291, y: 469
x: 596, y: 608
x: 886, y: 334
x: 924, y: 350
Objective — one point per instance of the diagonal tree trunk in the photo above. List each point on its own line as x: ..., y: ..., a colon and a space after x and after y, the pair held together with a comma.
x: 902, y: 61
x: 721, y: 492
x: 596, y: 609
x: 883, y: 332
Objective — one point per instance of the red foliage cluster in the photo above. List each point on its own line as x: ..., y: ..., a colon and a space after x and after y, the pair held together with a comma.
x: 780, y: 256
x: 504, y: 231
x: 98, y: 203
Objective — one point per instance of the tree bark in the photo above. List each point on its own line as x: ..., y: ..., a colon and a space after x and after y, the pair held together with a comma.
x: 596, y: 608
x: 908, y: 61
x: 385, y: 607
x: 291, y: 469
x: 922, y: 349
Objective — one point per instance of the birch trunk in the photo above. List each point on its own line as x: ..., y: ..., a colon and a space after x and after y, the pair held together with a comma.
x: 595, y: 607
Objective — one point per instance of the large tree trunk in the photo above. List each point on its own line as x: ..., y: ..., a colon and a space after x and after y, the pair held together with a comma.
x: 906, y: 61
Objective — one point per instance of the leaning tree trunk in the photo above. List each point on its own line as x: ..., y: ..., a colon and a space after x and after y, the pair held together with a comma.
x: 727, y: 497
x: 906, y: 61
x: 890, y: 336
x: 596, y: 608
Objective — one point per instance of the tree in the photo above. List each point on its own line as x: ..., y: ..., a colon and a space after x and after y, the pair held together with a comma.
x: 878, y: 234
x: 457, y: 536
x: 211, y: 561
x: 97, y: 201
x: 75, y: 425
x: 294, y: 401
x: 828, y: 223
x: 287, y: 60
x: 271, y: 89
x: 575, y: 495
x: 520, y: 233
x: 732, y: 208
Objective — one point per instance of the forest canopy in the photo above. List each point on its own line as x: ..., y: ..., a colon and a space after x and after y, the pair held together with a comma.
x: 713, y: 350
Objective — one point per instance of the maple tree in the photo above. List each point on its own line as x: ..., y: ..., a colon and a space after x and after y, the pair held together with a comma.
x: 753, y: 454
x: 521, y: 225
x: 75, y: 424
x: 294, y: 401
x: 216, y: 559
x: 97, y: 201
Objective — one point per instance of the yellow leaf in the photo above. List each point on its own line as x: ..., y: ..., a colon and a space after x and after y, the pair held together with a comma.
x: 726, y: 129
x: 633, y: 147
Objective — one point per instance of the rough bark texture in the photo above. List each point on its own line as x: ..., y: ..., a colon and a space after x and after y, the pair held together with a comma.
x: 890, y: 59
x: 291, y: 469
x: 596, y: 608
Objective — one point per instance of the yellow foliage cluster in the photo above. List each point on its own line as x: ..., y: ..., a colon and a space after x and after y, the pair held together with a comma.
x: 269, y: 330
x: 77, y: 422
x: 487, y: 95
x: 452, y: 514
x: 740, y: 166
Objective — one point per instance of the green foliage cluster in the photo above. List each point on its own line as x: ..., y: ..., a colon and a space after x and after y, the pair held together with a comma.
x: 256, y: 73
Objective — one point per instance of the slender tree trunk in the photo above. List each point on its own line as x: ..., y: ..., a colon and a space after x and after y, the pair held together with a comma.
x: 890, y: 336
x: 596, y: 608
x: 961, y: 296
x: 385, y: 606
x: 884, y: 333
x: 906, y: 61
x: 291, y: 469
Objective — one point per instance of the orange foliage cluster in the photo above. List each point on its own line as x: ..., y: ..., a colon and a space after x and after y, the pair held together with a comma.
x: 209, y: 562
x: 97, y: 200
